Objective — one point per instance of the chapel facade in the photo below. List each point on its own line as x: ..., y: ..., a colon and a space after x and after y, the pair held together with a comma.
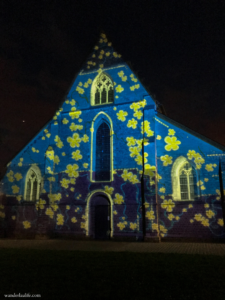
x: 111, y: 165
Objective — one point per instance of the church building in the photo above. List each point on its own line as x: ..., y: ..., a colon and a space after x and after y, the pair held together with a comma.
x: 111, y: 165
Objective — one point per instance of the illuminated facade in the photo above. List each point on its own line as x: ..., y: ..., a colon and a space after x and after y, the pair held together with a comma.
x: 110, y: 165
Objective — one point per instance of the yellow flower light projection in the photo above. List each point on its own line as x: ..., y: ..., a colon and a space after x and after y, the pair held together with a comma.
x: 171, y: 132
x: 121, y: 225
x: 15, y: 189
x: 171, y: 217
x: 210, y: 214
x: 220, y: 222
x: 85, y: 138
x: 138, y: 114
x: 20, y: 162
x: 150, y: 170
x: 65, y: 183
x: 133, y: 226
x: 133, y: 179
x: 19, y: 198
x: 76, y: 155
x: 162, y: 190
x: 40, y: 204
x: 119, y: 89
x: 58, y: 141
x: 130, y: 141
x: 167, y: 160
x: 109, y: 190
x: 198, y: 217
x: 118, y: 199
x: 49, y: 212
x: 132, y: 123
x: 121, y: 115
x: 198, y: 159
x: 138, y: 159
x: 73, y: 220
x: 72, y: 170
x: 168, y: 205
x: 74, y: 140
x: 126, y: 175
x: 172, y: 143
x: 26, y: 224
x: 147, y: 130
x: 79, y: 90
x: 150, y: 215
x: 60, y: 219
x: 209, y: 167
x: 75, y: 114
x: 135, y: 106
x: 74, y: 127
x: 134, y: 151
x: 205, y: 222
x: 18, y: 176
x: 85, y: 165
x: 10, y: 176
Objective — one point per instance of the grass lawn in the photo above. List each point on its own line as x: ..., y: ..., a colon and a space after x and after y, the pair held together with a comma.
x: 110, y: 275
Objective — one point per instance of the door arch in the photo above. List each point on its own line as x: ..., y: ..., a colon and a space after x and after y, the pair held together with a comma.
x: 99, y: 215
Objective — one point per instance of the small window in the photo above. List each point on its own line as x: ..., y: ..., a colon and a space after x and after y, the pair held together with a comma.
x: 103, y: 153
x: 102, y: 90
x: 32, y: 184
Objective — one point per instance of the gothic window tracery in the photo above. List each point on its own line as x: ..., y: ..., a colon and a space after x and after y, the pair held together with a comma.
x: 102, y: 90
x: 32, y: 184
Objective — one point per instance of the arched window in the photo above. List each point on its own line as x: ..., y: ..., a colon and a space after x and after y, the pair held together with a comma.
x: 102, y: 91
x: 32, y: 184
x: 186, y: 182
x: 102, y: 153
x: 183, y: 180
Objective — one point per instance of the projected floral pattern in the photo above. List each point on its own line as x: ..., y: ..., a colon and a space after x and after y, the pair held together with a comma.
x: 144, y: 143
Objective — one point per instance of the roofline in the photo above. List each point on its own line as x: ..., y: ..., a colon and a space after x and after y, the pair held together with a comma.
x: 198, y: 135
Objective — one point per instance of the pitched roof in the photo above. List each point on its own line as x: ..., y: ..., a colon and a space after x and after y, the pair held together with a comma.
x: 198, y: 135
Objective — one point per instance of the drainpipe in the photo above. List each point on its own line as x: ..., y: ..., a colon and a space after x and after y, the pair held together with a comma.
x: 156, y: 192
x: 222, y: 192
x: 142, y: 185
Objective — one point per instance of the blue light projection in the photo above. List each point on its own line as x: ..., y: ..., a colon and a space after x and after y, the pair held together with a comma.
x: 58, y: 167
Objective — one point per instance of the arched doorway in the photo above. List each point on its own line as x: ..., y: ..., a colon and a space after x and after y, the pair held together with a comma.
x: 100, y: 215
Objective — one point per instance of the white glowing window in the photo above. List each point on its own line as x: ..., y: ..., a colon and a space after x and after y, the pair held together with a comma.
x: 102, y: 91
x: 183, y: 177
x: 32, y: 184
x: 186, y: 182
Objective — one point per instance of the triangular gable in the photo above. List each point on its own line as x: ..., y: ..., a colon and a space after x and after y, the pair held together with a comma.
x: 127, y: 87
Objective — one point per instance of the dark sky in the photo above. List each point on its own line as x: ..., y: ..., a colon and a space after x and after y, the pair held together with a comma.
x: 177, y: 49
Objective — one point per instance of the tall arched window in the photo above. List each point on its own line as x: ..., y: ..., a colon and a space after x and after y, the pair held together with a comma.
x: 102, y: 91
x: 102, y: 172
x: 186, y: 182
x: 183, y: 180
x: 32, y: 184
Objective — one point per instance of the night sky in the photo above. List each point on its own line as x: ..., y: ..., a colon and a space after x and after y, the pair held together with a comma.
x: 176, y: 48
